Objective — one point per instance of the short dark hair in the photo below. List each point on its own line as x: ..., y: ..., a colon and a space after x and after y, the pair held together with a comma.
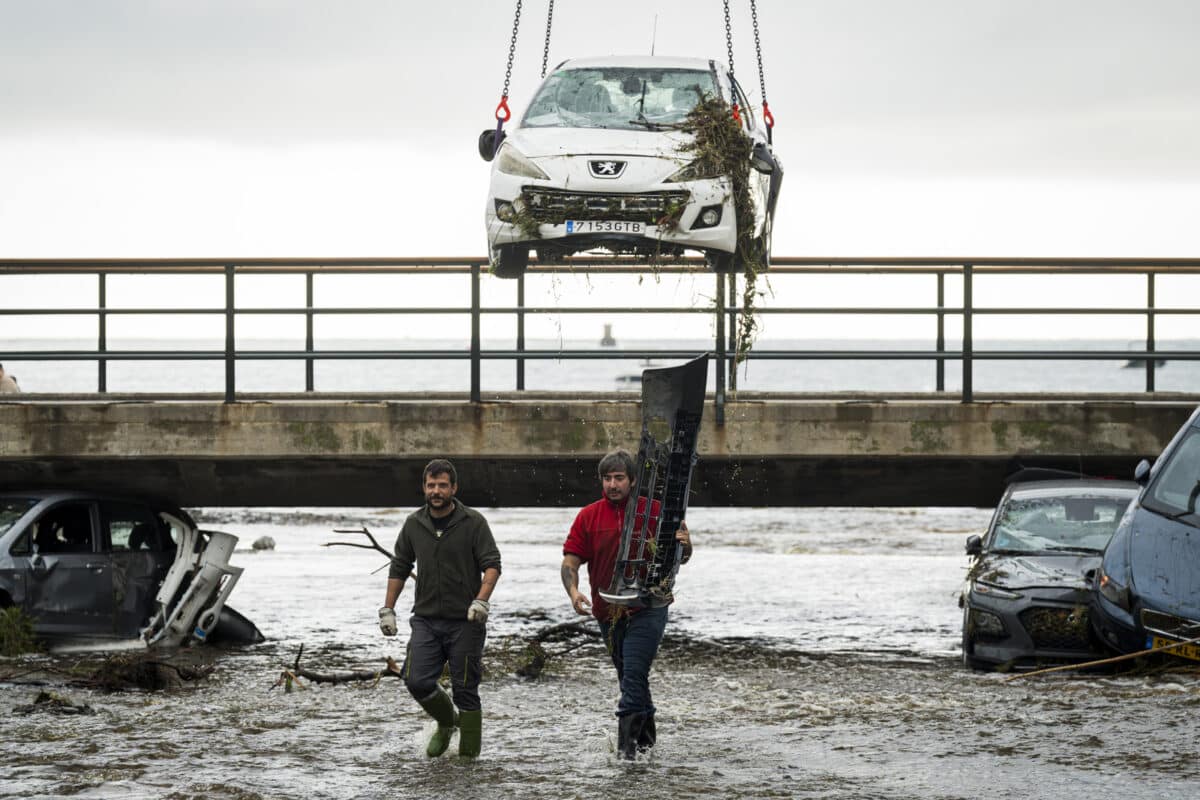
x: 440, y: 466
x: 616, y: 461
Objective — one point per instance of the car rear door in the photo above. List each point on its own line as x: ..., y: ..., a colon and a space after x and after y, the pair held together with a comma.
x: 70, y: 579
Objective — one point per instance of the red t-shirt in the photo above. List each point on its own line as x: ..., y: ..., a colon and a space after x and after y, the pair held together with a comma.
x: 595, y: 538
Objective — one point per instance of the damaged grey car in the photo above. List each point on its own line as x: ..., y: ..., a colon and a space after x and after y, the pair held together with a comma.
x: 96, y: 566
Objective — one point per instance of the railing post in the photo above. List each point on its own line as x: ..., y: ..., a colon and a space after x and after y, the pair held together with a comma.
x: 308, y: 332
x: 230, y: 342
x: 475, y: 393
x: 731, y: 304
x: 941, y: 330
x: 968, y: 344
x: 102, y: 340
x: 720, y: 397
x: 520, y: 333
x: 1150, y: 365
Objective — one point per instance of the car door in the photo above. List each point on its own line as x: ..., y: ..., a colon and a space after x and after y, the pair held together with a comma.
x: 139, y: 547
x: 70, y: 579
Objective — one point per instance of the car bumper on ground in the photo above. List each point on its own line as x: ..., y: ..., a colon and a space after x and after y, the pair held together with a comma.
x: 1027, y: 633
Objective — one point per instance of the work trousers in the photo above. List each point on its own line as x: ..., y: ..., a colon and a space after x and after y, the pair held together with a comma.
x: 633, y: 642
x: 433, y: 643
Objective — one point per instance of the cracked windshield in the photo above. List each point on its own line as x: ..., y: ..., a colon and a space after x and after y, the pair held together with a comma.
x: 618, y: 98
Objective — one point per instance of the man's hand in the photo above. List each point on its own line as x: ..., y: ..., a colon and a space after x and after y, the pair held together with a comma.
x: 478, y: 612
x: 387, y: 621
x: 684, y: 537
x: 580, y: 603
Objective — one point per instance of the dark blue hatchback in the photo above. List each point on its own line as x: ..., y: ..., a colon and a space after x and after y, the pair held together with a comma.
x: 1147, y: 590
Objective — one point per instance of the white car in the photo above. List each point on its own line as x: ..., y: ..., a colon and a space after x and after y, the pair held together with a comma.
x: 598, y: 161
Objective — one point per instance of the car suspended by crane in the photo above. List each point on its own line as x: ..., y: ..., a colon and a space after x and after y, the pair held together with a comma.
x: 644, y: 155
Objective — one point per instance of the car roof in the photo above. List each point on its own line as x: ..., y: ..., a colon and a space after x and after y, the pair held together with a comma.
x: 662, y: 62
x: 1092, y: 486
x: 59, y: 495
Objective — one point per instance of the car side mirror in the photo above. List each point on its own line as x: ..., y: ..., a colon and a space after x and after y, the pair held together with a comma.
x: 1141, y: 473
x: 974, y: 545
x: 488, y: 144
x: 761, y: 158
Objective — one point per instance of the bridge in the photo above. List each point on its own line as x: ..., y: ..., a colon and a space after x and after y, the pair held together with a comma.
x: 950, y: 444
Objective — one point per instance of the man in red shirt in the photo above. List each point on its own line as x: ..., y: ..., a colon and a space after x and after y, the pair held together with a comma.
x: 632, y: 634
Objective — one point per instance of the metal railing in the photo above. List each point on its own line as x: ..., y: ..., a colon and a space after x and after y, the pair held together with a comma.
x: 725, y: 310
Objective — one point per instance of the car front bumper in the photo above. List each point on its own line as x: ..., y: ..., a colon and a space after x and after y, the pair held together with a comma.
x: 1040, y: 628
x: 605, y: 205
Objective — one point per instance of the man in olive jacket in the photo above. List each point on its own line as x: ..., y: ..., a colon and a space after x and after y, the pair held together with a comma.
x: 452, y: 547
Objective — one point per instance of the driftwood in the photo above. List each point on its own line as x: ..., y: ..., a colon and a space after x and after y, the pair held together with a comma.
x: 119, y: 673
x: 295, y: 675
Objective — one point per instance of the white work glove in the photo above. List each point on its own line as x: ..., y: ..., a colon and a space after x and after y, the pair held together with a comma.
x: 387, y: 621
x: 478, y: 612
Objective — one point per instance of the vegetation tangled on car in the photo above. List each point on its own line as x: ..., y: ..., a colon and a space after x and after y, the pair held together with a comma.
x: 719, y: 146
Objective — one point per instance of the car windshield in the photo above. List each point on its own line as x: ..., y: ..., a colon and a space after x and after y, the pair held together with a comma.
x: 1058, y: 523
x: 618, y: 97
x: 1175, y: 490
x: 12, y: 509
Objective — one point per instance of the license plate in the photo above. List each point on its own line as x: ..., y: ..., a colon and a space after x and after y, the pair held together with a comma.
x: 1191, y: 651
x: 604, y: 226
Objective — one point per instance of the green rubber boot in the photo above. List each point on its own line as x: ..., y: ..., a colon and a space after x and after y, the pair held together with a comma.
x: 470, y: 733
x: 439, y: 706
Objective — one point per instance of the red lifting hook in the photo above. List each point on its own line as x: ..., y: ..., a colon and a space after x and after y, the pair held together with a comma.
x: 503, y: 106
x: 768, y: 117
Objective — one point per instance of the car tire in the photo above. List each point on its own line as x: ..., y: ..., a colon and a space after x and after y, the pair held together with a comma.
x: 510, y: 261
x: 719, y: 261
x: 968, y: 645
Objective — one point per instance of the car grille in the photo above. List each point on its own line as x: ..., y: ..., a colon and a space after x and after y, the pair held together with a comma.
x: 1057, y: 628
x: 556, y: 206
x: 1169, y: 624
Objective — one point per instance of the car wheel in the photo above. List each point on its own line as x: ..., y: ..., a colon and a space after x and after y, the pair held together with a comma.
x: 968, y: 644
x: 510, y: 261
x: 719, y: 261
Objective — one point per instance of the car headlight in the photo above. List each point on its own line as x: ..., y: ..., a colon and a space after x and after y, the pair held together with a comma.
x: 512, y: 162
x: 984, y: 623
x: 699, y: 170
x: 1115, y: 592
x: 989, y: 590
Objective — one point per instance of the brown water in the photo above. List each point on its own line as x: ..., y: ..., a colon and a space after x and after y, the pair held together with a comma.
x: 811, y: 654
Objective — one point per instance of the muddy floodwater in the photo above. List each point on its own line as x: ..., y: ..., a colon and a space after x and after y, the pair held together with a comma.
x: 812, y: 653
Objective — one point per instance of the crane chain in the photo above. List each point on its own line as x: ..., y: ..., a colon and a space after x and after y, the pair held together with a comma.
x: 512, y: 49
x: 728, y: 37
x: 546, y: 49
x: 762, y: 82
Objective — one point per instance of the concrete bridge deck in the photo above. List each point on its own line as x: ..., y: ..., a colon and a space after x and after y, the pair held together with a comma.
x: 540, y: 449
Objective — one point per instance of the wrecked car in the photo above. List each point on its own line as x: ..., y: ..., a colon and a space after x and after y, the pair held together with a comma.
x: 600, y: 160
x: 1027, y: 600
x: 95, y: 566
x: 1147, y: 590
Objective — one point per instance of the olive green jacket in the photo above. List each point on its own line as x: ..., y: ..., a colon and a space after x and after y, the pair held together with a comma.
x: 449, y: 568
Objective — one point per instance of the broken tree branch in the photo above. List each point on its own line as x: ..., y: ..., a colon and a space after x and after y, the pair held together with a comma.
x: 374, y: 545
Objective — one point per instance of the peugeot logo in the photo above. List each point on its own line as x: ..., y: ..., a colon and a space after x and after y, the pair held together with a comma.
x: 606, y: 169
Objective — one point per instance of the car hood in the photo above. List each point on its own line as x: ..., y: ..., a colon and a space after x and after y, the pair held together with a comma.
x: 1164, y: 565
x: 1065, y: 571
x: 550, y: 142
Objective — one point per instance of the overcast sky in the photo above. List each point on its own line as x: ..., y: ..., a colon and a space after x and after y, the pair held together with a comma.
x: 303, y: 128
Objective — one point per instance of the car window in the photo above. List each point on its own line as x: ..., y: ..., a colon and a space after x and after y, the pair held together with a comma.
x: 1175, y: 487
x: 1047, y: 523
x: 12, y: 509
x: 127, y: 526
x: 617, y: 97
x: 65, y: 528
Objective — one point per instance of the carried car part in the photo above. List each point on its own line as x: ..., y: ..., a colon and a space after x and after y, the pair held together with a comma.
x: 648, y: 557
